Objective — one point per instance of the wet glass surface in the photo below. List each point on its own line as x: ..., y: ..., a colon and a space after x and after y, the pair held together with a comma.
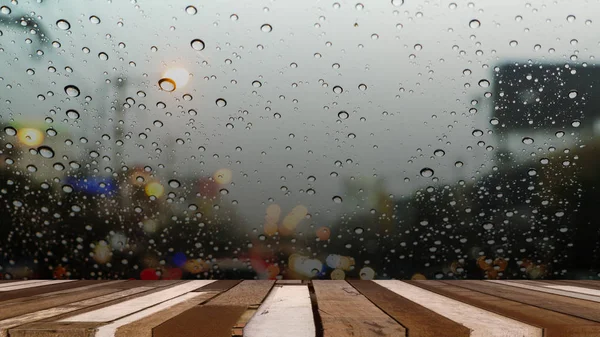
x: 299, y: 139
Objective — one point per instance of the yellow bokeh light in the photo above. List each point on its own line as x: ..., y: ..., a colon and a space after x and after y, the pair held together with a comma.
x: 30, y: 136
x: 102, y: 252
x: 179, y: 75
x: 154, y: 189
x: 223, y: 176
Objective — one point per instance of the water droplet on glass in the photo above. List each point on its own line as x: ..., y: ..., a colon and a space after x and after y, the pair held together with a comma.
x: 94, y: 19
x: 167, y: 84
x: 256, y: 84
x: 5, y: 10
x: 343, y: 115
x: 221, y: 102
x: 477, y: 133
x: 358, y: 230
x: 484, y: 83
x: 337, y: 199
x: 63, y: 24
x: 362, y: 87
x: 191, y: 10
x: 158, y: 123
x: 572, y: 93
x: 266, y: 28
x: 374, y: 37
x: 72, y: 114
x: 513, y: 43
x: 103, y: 56
x: 527, y: 140
x: 10, y: 131
x: 174, y: 183
x: 46, y: 151
x: 337, y: 89
x: 559, y: 134
x: 72, y: 91
x: 488, y: 226
x: 474, y: 24
x: 397, y: 3
x: 234, y: 17
x: 532, y: 172
x: 197, y: 44
x: 426, y: 172
x: 570, y: 18
x: 439, y: 153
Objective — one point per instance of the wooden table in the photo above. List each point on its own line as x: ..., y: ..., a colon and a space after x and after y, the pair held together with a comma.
x: 207, y: 308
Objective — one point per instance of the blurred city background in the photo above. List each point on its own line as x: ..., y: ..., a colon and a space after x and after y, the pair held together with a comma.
x: 299, y: 139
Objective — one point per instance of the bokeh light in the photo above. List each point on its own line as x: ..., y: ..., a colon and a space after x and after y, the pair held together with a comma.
x: 154, y: 189
x: 30, y: 136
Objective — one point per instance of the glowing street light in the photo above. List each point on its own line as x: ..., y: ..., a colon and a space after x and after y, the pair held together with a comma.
x: 154, y: 189
x: 30, y: 136
x: 174, y: 78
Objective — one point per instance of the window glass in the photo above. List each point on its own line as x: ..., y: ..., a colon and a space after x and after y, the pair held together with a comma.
x: 299, y: 139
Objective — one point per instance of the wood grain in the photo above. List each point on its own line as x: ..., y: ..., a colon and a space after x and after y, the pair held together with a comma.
x: 418, y: 320
x: 563, y: 304
x: 216, y: 317
x: 287, y: 311
x: 346, y: 312
x: 31, y: 294
x: 482, y: 322
x: 524, y: 285
x: 554, y: 324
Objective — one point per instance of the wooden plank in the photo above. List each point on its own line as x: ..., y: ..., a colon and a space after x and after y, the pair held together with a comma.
x: 289, y: 282
x: 18, y: 309
x: 17, y: 283
x: 51, y: 329
x: 44, y: 327
x: 219, y: 286
x: 345, y: 312
x: 217, y: 317
x: 33, y: 284
x: 524, y: 285
x: 563, y: 304
x: 246, y: 293
x: 418, y: 320
x: 128, y: 307
x: 287, y: 311
x: 575, y: 289
x: 29, y: 294
x: 481, y: 322
x: 142, y: 326
x: 591, y: 284
x: 554, y: 324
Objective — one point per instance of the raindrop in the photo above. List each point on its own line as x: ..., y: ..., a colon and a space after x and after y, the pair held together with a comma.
x: 343, y: 115
x: 256, y: 84
x: 158, y: 123
x: 570, y: 18
x: 513, y: 43
x: 426, y: 172
x: 197, y: 44
x: 527, y: 140
x: 337, y: 89
x: 167, y: 84
x: 191, y: 10
x: 358, y: 230
x: 67, y: 188
x: 397, y: 3
x: 439, y: 153
x: 362, y: 87
x: 46, y: 151
x: 103, y: 56
x: 488, y: 226
x: 474, y: 24
x: 10, y: 131
x: 94, y: 19
x: 374, y: 37
x: 63, y: 24
x: 559, y: 134
x: 234, y: 17
x: 174, y: 183
x: 532, y: 172
x: 477, y: 133
x: 484, y: 83
x: 72, y: 114
x: 572, y: 93
x: 5, y: 10
x: 266, y: 28
x: 458, y: 164
x: 576, y: 124
x: 221, y: 102
x: 72, y: 91
x: 351, y: 136
x: 337, y: 199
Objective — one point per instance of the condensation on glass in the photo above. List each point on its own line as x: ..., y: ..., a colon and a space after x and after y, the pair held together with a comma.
x: 294, y: 139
